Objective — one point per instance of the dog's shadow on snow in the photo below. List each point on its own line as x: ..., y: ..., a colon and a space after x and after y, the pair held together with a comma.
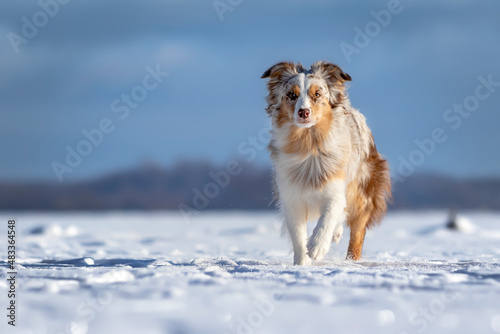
x: 86, y: 262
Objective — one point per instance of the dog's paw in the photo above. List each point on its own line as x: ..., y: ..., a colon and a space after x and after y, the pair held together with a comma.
x: 337, y: 234
x: 304, y: 260
x: 317, y: 248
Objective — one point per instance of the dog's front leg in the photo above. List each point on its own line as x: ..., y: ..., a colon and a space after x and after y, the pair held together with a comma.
x: 296, y: 225
x: 333, y: 215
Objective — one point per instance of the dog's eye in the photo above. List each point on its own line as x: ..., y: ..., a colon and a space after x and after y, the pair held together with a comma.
x: 317, y: 95
x: 291, y: 96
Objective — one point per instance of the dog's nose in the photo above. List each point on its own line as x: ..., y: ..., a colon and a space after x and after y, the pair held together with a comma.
x: 304, y: 113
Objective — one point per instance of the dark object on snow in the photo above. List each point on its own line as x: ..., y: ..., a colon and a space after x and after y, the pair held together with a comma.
x: 452, y: 220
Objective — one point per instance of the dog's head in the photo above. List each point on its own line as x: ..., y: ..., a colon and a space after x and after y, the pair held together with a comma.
x: 304, y: 96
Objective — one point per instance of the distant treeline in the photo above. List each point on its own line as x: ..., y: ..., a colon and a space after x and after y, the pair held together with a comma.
x: 236, y: 186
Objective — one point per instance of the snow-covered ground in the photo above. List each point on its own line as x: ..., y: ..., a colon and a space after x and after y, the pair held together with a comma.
x: 232, y: 273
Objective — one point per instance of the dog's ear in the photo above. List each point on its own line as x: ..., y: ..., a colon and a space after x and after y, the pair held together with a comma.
x: 335, y: 79
x: 279, y: 70
x: 331, y: 72
x: 277, y: 75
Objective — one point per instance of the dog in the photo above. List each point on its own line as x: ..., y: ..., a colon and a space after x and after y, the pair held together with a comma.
x: 326, y: 165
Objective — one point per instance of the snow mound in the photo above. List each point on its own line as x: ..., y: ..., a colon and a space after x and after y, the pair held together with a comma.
x: 54, y: 230
x: 462, y: 224
x: 112, y: 276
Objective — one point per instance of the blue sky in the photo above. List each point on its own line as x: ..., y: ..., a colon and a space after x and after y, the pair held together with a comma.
x: 64, y: 79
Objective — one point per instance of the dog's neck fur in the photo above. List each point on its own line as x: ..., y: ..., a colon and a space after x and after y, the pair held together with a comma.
x: 313, y: 156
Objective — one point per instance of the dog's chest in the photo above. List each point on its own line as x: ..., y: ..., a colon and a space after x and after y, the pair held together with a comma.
x: 313, y: 171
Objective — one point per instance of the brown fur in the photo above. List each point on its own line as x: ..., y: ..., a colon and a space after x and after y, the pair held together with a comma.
x: 311, y: 140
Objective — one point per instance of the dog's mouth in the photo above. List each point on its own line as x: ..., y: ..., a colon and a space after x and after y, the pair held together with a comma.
x: 304, y: 123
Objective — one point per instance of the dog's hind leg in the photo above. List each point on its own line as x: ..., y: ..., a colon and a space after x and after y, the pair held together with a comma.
x: 367, y: 202
x: 358, y: 219
x: 356, y: 242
